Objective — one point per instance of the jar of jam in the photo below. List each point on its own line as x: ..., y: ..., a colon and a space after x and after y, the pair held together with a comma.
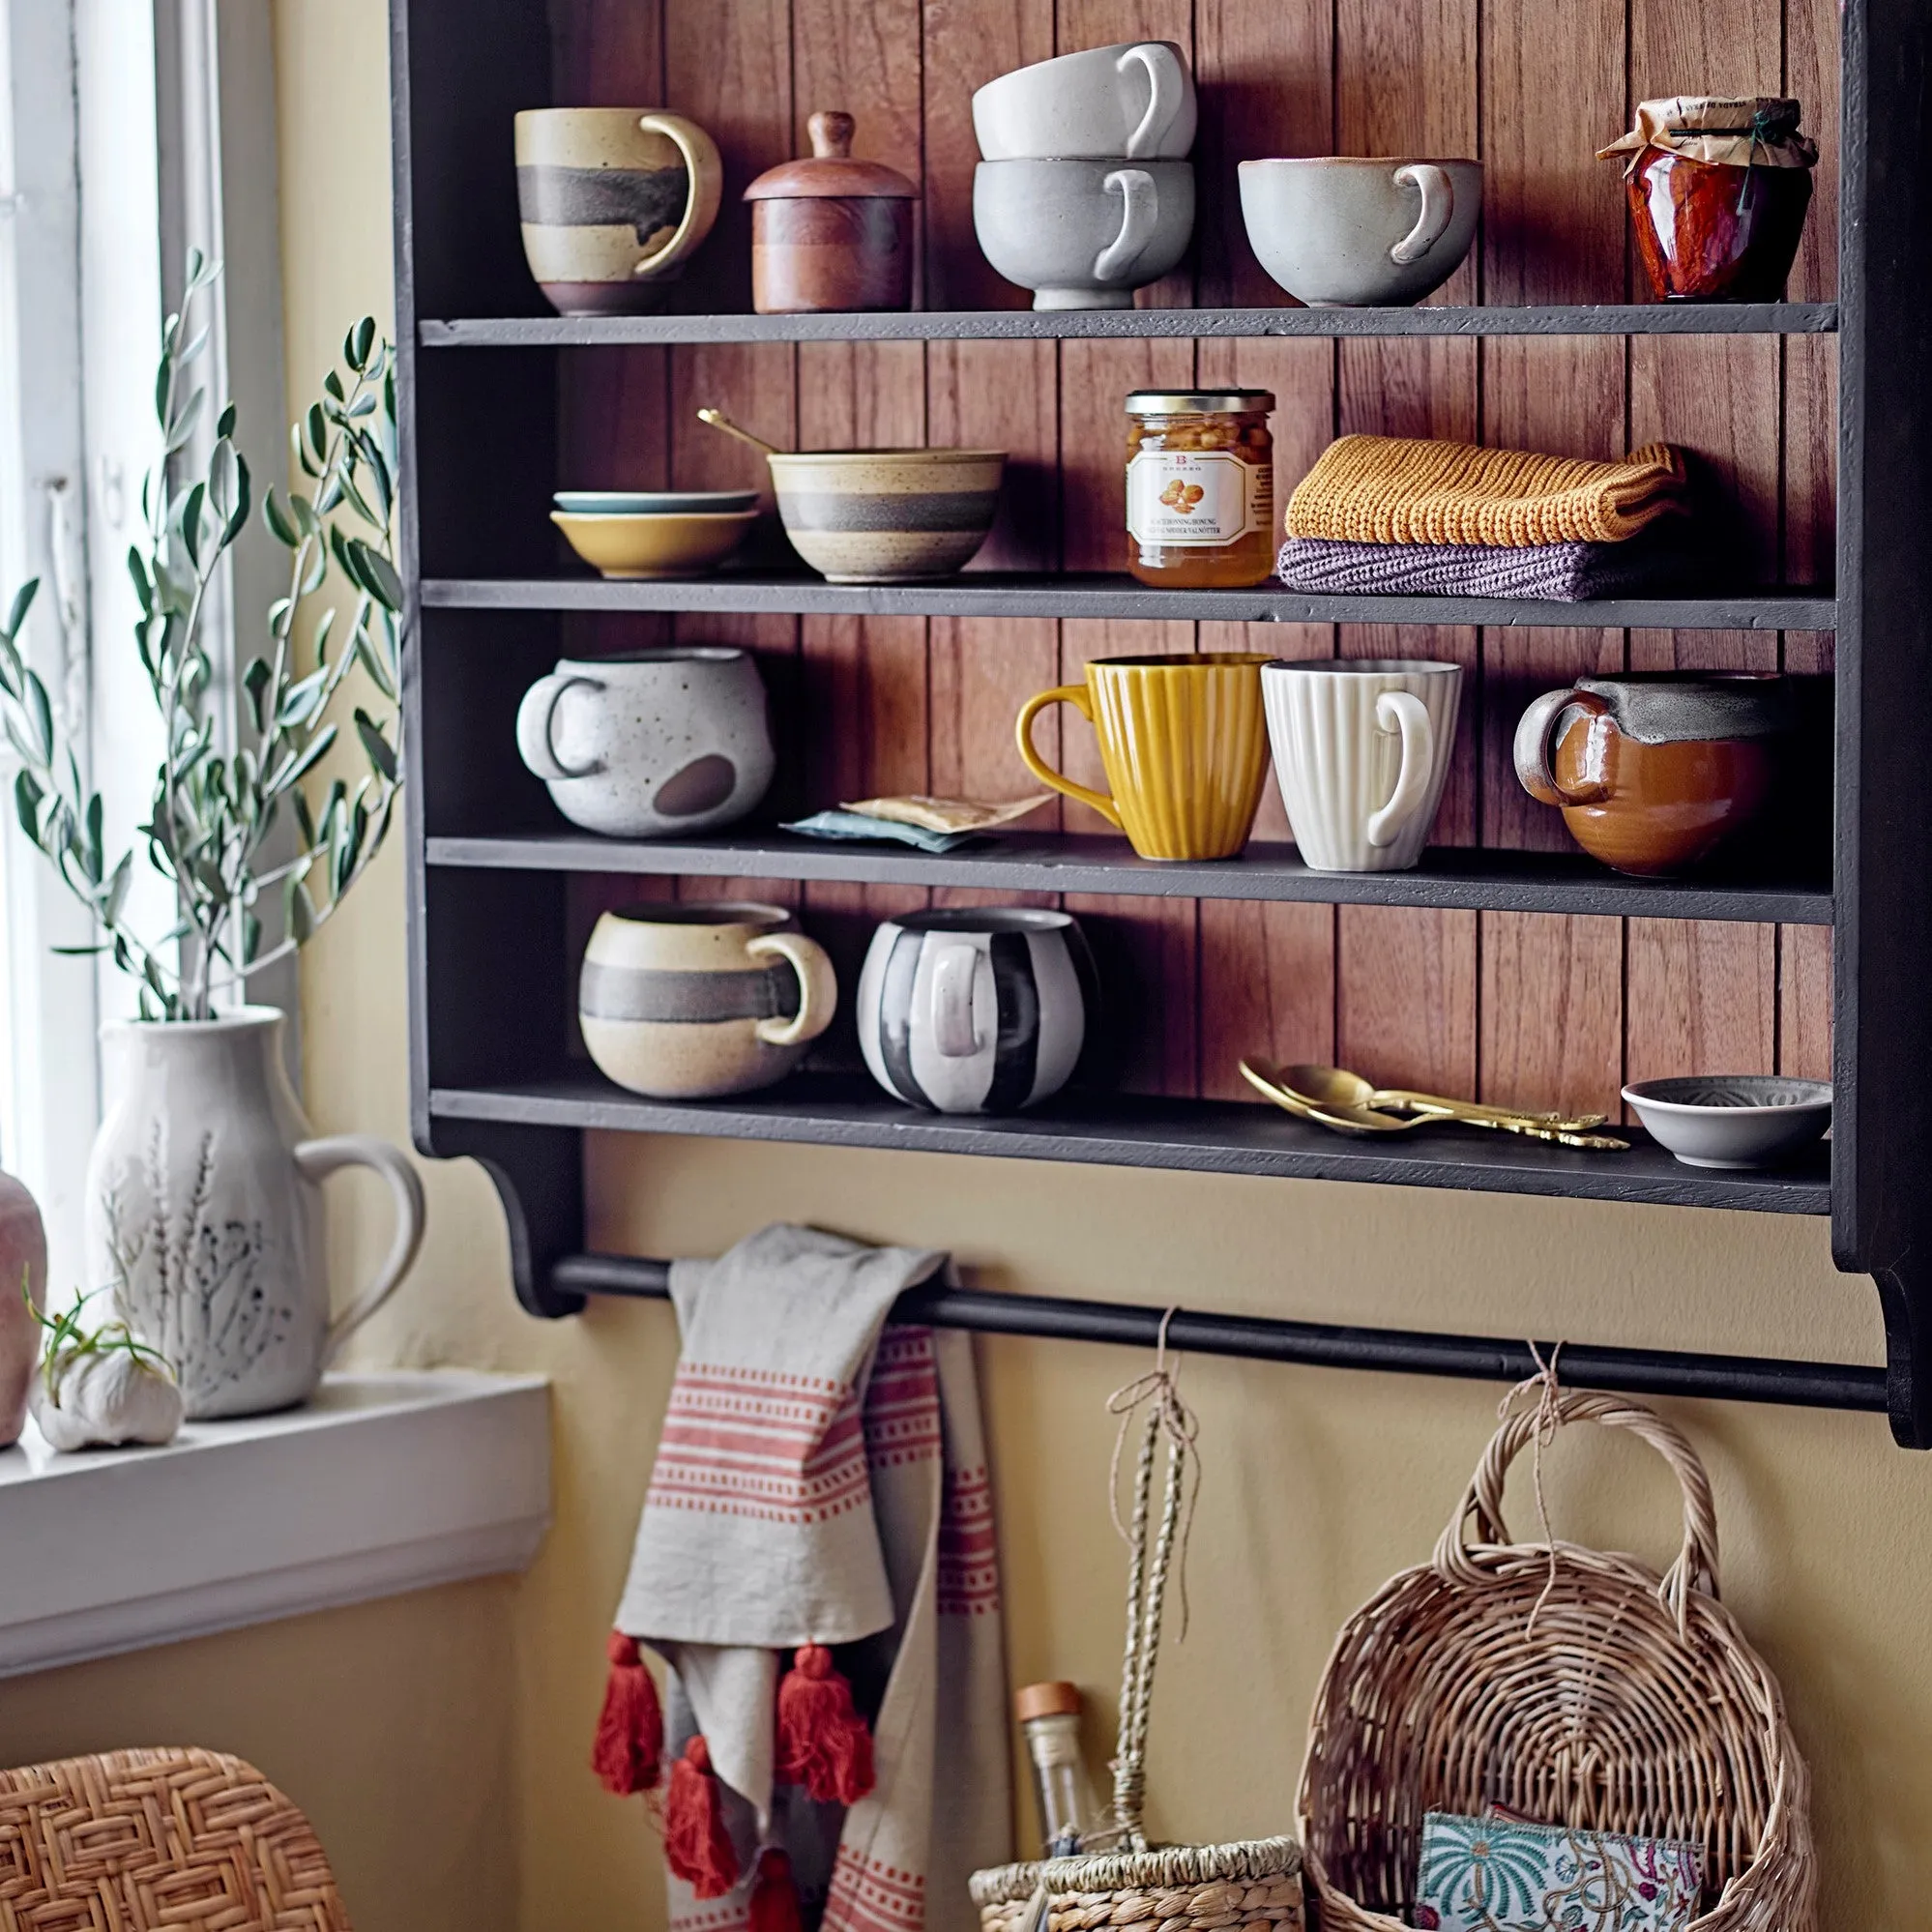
x: 1200, y: 487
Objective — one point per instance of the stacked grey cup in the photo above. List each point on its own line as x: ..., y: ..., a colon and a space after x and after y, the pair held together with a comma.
x: 1084, y: 193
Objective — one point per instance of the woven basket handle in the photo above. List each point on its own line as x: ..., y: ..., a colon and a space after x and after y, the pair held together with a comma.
x: 1696, y: 1565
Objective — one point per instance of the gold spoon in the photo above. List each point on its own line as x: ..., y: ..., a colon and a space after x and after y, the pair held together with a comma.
x: 1345, y: 1118
x: 718, y: 419
x: 1338, y: 1087
x: 1348, y: 1119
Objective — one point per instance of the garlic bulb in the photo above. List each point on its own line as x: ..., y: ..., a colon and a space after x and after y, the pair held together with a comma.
x: 98, y: 1399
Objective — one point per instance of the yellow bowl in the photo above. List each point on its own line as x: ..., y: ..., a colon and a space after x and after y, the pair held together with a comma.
x: 675, y: 545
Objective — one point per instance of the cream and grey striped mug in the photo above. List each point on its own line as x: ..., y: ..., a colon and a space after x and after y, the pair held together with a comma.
x: 691, y: 1002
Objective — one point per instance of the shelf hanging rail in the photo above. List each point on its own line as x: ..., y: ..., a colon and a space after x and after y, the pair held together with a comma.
x: 1633, y: 1371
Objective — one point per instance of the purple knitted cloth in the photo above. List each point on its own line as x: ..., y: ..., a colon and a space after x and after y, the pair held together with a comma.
x: 1562, y: 572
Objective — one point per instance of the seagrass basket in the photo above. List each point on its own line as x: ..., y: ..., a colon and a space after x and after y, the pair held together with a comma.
x: 1568, y: 1684
x: 1248, y: 1886
x: 1123, y: 1884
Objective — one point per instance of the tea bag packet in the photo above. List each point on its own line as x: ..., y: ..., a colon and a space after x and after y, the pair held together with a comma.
x: 1501, y: 1874
x: 952, y: 815
x: 1750, y: 131
x: 863, y: 825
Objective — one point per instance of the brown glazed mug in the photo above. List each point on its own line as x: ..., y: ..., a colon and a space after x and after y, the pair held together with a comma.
x: 1653, y: 770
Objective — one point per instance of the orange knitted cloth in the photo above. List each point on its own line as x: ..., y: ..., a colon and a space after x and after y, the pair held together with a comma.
x: 1399, y: 490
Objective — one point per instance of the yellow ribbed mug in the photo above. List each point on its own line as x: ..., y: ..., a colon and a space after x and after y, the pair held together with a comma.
x: 1184, y: 745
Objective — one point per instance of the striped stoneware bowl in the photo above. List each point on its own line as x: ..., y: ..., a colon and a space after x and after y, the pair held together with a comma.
x: 881, y: 516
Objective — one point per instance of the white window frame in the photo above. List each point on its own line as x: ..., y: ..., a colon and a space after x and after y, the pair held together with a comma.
x: 169, y: 106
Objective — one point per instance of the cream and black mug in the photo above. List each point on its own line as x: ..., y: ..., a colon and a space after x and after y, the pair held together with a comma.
x: 614, y: 200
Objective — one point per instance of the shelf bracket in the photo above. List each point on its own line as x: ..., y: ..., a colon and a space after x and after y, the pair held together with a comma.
x: 1905, y: 1300
x: 538, y: 1173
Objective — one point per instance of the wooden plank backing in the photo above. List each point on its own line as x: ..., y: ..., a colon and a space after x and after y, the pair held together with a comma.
x: 1516, y: 1007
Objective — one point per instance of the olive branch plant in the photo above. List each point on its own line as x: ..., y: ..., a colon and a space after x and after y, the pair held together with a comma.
x: 235, y: 772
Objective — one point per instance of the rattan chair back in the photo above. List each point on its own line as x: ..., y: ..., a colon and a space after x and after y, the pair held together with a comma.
x: 137, y: 1842
x: 1567, y: 1684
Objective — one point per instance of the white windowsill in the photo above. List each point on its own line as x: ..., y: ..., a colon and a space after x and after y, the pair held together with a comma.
x: 383, y: 1483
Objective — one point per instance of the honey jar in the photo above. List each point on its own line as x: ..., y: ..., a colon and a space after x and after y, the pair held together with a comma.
x: 1200, y: 487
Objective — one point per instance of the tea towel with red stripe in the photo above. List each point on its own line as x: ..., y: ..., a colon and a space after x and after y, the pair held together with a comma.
x: 816, y: 1567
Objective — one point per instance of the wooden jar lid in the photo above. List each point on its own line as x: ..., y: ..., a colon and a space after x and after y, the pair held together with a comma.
x: 829, y: 172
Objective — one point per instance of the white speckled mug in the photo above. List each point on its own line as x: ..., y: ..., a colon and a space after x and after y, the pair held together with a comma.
x: 652, y: 743
x: 690, y: 1002
x: 1361, y: 748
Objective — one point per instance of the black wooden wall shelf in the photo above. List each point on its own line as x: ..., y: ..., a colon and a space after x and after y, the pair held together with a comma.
x: 492, y: 976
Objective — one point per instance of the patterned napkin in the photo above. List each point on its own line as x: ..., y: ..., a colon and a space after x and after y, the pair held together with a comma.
x: 1495, y: 1874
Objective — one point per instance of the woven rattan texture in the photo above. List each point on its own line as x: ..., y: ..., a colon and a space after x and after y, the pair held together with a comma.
x: 1590, y: 1691
x: 137, y: 1842
x: 1403, y: 490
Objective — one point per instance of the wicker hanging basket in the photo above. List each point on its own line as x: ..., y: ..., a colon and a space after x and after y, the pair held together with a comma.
x: 1568, y: 1684
x: 1252, y: 1886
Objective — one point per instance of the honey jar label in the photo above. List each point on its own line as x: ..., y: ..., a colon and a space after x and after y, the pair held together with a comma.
x: 1195, y: 498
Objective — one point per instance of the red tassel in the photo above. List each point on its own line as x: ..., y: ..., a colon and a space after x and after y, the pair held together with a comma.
x: 823, y: 1743
x: 631, y: 1727
x: 774, y: 1898
x: 696, y: 1845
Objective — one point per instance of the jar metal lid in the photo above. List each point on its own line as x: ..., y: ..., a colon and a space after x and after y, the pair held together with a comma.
x: 1198, y: 401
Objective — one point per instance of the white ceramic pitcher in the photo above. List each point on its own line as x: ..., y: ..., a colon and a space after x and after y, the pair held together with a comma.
x: 204, y: 1211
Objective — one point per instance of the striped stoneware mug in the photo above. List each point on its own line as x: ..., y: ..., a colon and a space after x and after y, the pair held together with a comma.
x: 690, y: 1002
x: 974, y: 1010
x: 1184, y: 744
x: 613, y: 200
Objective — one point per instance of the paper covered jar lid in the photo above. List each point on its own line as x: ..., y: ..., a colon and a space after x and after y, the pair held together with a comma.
x: 829, y: 171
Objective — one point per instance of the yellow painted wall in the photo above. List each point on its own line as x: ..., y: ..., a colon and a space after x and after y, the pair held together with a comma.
x: 446, y: 1734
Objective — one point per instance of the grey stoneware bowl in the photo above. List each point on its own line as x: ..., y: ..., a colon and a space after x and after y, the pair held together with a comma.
x: 1732, y: 1120
x: 1083, y: 234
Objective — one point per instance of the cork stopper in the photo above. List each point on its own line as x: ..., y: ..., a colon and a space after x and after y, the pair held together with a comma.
x: 1046, y: 1700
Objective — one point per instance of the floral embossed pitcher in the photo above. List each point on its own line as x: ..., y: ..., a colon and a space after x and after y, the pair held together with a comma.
x: 204, y: 1211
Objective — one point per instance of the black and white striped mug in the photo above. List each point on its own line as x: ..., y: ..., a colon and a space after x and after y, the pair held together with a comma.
x: 688, y: 1002
x: 975, y: 1010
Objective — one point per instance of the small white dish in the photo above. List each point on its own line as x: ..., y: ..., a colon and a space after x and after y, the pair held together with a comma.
x: 654, y: 502
x: 1732, y: 1120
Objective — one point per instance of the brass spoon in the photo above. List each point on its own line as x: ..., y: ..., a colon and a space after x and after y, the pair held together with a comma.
x: 1344, y: 1119
x: 718, y: 419
x: 1347, y: 1118
x: 1338, y: 1087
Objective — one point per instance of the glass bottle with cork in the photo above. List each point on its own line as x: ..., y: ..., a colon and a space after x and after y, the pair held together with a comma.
x: 1200, y: 487
x: 1049, y: 1720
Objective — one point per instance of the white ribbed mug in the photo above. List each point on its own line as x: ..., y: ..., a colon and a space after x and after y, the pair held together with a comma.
x: 1361, y: 749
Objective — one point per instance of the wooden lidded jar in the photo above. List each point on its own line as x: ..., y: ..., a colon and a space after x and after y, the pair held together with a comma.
x: 831, y: 233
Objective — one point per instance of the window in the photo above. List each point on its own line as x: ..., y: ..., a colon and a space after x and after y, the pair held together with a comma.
x: 129, y: 130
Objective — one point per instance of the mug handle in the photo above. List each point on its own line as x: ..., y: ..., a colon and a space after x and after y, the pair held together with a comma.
x: 818, y: 988
x: 953, y: 972
x: 1140, y: 212
x: 704, y: 172
x: 315, y: 1161
x: 1406, y: 712
x: 1537, y: 733
x: 1438, y: 192
x: 536, y: 715
x: 1079, y: 698
x: 1164, y: 94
